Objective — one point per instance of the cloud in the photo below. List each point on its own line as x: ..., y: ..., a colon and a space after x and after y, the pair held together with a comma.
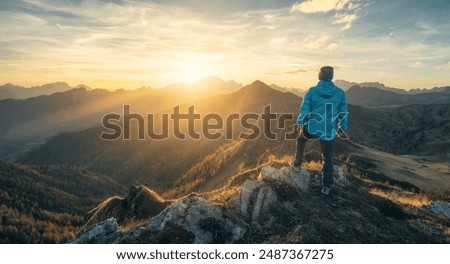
x: 345, y: 10
x: 317, y: 43
x: 332, y: 46
x: 444, y: 66
x: 417, y: 65
x: 278, y: 40
x: 297, y: 71
x: 345, y: 19
x: 268, y: 18
x: 319, y: 6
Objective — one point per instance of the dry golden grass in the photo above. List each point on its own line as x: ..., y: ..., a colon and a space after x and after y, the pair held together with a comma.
x: 220, y: 197
x: 405, y: 198
x: 312, y: 165
x: 287, y: 160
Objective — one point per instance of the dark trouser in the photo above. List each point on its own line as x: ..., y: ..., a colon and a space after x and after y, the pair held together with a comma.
x: 327, y: 156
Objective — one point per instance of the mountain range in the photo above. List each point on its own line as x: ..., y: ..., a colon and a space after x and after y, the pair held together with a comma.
x: 376, y: 97
x: 11, y: 91
x: 25, y: 123
x: 375, y: 94
x: 399, y: 130
x: 345, y: 85
x: 396, y: 165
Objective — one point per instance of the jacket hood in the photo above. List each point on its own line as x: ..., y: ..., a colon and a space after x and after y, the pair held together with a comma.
x: 326, y: 89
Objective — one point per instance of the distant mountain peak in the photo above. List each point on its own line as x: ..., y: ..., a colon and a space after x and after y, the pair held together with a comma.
x: 257, y: 87
x: 19, y: 92
x: 258, y: 83
x: 83, y: 86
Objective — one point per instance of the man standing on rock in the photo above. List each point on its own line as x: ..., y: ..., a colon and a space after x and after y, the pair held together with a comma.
x: 323, y: 115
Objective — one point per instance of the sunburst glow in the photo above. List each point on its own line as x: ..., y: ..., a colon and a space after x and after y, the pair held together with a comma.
x: 191, y: 72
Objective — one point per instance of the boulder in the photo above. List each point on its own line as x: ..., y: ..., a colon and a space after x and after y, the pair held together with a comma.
x: 255, y: 198
x: 339, y: 177
x: 441, y: 208
x: 98, y: 232
x: 299, y: 181
x: 191, y: 214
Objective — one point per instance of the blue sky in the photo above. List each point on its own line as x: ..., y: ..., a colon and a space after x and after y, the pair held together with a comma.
x: 130, y: 43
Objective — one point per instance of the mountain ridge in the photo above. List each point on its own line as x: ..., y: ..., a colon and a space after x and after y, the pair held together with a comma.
x: 345, y: 85
x: 11, y: 91
x: 281, y: 206
x: 376, y: 97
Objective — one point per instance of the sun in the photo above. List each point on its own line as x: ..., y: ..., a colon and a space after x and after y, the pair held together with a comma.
x: 192, y: 72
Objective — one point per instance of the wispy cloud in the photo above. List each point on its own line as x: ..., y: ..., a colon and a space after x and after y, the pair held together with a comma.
x: 345, y: 10
x: 322, y: 42
x: 417, y: 65
x: 59, y: 26
x: 301, y: 70
x: 345, y: 19
x: 278, y: 40
x: 316, y: 6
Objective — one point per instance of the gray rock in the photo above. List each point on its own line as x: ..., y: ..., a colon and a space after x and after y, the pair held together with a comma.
x: 299, y: 181
x: 248, y: 189
x: 441, y: 208
x: 98, y: 232
x: 238, y: 232
x: 188, y: 213
x: 256, y: 197
x: 266, y: 197
x: 339, y: 177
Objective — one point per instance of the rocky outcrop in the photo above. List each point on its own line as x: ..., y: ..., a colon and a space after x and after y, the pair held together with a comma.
x: 195, y: 220
x: 99, y: 233
x: 299, y: 181
x: 441, y: 208
x: 255, y: 198
x: 141, y: 203
x: 192, y: 214
x: 279, y: 206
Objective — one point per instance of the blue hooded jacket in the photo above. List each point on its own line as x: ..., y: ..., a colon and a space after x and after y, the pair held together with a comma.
x: 324, y: 110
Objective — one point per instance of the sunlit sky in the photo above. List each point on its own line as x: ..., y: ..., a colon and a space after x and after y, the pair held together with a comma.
x: 130, y: 43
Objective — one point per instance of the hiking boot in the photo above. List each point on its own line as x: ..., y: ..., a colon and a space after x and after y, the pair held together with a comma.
x: 297, y: 169
x: 326, y: 190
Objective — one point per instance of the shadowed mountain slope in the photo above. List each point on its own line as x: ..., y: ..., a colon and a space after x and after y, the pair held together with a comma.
x: 47, y: 204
